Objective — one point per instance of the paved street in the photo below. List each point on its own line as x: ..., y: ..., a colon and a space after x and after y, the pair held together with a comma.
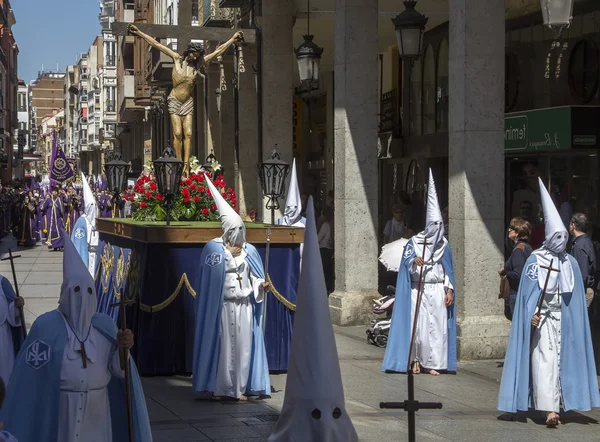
x: 469, y: 398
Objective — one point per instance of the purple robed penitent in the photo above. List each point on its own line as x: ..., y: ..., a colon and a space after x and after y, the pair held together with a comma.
x: 53, y: 207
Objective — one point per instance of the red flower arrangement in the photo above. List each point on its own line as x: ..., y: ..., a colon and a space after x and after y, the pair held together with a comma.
x: 194, y: 202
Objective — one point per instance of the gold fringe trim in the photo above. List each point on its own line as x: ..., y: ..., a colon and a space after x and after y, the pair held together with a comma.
x: 170, y: 299
x: 280, y: 297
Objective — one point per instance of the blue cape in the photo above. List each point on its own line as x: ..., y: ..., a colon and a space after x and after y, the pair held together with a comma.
x: 396, y: 352
x: 578, y: 380
x: 209, y: 304
x: 31, y: 408
x: 79, y: 238
x: 10, y: 295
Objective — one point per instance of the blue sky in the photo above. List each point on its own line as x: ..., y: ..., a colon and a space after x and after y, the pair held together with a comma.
x: 53, y: 31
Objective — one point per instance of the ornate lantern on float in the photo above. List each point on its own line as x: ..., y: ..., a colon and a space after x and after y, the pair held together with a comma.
x: 168, y: 169
x: 272, y: 174
x: 116, y: 176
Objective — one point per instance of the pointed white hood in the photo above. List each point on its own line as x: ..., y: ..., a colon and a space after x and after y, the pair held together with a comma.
x: 77, y: 300
x: 554, y: 248
x: 293, y: 203
x: 89, y: 202
x: 434, y: 226
x: 234, y: 230
x: 314, y: 407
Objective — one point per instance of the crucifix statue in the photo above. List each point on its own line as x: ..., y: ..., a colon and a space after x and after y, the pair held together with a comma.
x: 181, y: 100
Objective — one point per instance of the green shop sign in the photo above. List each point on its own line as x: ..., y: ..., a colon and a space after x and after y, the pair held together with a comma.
x: 538, y: 130
x: 553, y: 129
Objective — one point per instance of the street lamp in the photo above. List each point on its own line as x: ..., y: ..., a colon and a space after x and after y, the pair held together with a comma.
x: 410, y: 26
x: 208, y: 165
x: 308, y: 55
x: 272, y: 174
x: 557, y: 14
x: 116, y: 176
x: 168, y: 170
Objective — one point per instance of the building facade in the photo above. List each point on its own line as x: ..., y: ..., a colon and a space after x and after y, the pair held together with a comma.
x: 9, y: 83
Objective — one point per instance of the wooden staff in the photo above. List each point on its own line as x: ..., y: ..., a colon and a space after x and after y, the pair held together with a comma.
x: 409, y: 369
x: 264, y: 318
x: 124, y: 361
x: 11, y: 258
x: 541, y: 301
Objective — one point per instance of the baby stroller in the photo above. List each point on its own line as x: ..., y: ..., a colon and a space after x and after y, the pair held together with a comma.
x: 379, y: 328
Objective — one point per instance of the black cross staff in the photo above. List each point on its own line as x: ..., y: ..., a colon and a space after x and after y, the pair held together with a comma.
x: 11, y: 258
x: 542, y: 296
x: 124, y: 361
x: 411, y: 405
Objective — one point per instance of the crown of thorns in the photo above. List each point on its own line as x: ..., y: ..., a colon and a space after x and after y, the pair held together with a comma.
x: 195, y: 48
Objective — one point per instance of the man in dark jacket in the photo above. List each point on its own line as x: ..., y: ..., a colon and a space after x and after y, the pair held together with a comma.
x: 584, y: 252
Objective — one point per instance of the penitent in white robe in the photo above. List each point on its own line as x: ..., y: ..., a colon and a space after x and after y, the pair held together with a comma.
x: 9, y: 317
x: 431, y: 340
x: 237, y: 320
x: 545, y: 356
x: 84, y: 414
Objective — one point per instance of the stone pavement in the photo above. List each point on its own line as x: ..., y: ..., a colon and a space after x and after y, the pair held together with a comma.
x: 469, y: 398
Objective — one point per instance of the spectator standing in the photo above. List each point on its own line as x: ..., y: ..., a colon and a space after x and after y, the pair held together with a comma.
x: 326, y: 246
x: 396, y: 227
x: 519, y: 232
x: 584, y: 252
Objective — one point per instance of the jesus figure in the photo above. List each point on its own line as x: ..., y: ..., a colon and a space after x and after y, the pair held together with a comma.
x: 181, y: 100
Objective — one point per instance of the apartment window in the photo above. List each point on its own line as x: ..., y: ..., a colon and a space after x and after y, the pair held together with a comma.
x: 21, y: 102
x: 110, y: 94
x: 110, y: 51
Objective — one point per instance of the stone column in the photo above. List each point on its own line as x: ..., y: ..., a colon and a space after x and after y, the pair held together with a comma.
x: 277, y: 77
x: 476, y: 163
x: 355, y: 160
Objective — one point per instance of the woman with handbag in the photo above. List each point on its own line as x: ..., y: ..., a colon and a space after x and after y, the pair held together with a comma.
x: 519, y: 232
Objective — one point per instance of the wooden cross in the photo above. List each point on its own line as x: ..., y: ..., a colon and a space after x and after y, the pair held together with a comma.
x: 124, y: 361
x: 83, y: 354
x: 239, y: 278
x: 184, y: 32
x: 12, y: 258
x: 542, y: 296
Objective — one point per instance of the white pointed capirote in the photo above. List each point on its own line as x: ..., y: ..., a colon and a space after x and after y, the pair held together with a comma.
x: 313, y: 408
x: 234, y: 230
x: 554, y: 248
x: 89, y: 202
x: 293, y: 203
x: 77, y: 300
x: 434, y: 223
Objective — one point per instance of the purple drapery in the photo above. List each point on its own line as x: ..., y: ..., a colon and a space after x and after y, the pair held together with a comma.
x: 60, y: 169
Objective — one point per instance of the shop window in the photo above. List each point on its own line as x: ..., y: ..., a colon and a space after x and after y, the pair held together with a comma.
x: 511, y: 81
x: 429, y: 91
x: 583, y: 71
x: 416, y: 99
x: 441, y: 97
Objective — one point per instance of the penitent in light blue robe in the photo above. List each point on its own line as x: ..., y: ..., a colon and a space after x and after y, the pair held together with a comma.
x: 577, y: 370
x: 398, y: 345
x: 209, y: 305
x: 31, y: 409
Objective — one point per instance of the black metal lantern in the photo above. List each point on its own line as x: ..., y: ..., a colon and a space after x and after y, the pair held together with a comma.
x: 308, y: 55
x: 410, y: 26
x: 208, y: 165
x: 272, y: 174
x: 116, y: 177
x: 557, y: 14
x: 168, y: 170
